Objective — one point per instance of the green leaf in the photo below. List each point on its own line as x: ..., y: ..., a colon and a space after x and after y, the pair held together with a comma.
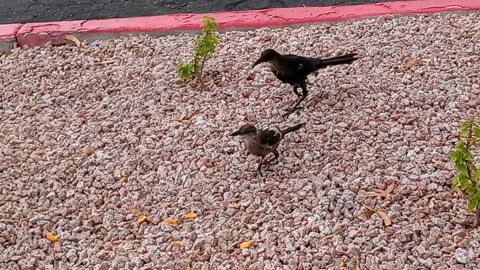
x: 461, y: 168
x: 473, y: 203
x: 470, y: 190
x: 206, y: 45
x: 461, y: 147
x: 463, y: 181
x: 455, y: 182
x: 466, y: 124
x: 185, y: 70
x: 476, y: 172
x: 453, y: 156
x: 477, y: 132
x: 208, y: 24
x: 468, y: 157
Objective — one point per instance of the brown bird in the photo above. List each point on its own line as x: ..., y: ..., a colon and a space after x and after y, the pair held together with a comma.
x: 294, y: 69
x: 264, y: 141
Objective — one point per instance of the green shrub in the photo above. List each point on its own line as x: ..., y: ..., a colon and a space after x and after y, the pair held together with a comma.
x: 468, y: 177
x: 204, y: 47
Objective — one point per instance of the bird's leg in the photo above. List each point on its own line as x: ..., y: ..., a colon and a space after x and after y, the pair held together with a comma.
x: 275, y: 158
x: 259, y: 168
x: 268, y: 164
x: 296, y: 91
x: 295, y: 107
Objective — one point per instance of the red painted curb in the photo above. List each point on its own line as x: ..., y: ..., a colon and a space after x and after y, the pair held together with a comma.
x: 8, y: 31
x: 37, y: 34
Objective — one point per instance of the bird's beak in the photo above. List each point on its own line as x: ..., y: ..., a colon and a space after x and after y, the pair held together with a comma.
x: 236, y: 133
x: 260, y: 60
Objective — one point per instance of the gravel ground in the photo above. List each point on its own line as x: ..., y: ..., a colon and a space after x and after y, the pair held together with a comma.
x: 93, y: 137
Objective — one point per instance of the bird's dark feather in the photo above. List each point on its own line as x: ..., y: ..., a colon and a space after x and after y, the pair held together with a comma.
x: 269, y: 137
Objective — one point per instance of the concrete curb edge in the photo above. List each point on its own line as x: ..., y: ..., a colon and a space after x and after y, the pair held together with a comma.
x: 40, y: 34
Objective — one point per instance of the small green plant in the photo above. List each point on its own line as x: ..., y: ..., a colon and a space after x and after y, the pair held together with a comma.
x: 204, y: 47
x: 468, y: 177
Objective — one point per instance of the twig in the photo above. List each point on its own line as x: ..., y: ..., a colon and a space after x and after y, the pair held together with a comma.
x: 477, y: 218
x: 53, y: 253
x: 106, y: 62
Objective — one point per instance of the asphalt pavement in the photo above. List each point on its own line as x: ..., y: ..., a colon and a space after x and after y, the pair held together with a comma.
x: 23, y: 11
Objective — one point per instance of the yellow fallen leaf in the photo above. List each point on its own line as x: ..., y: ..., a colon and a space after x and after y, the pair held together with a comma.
x: 73, y: 39
x: 52, y: 237
x: 342, y: 264
x: 171, y: 221
x: 142, y: 218
x: 178, y: 243
x: 190, y: 215
x: 246, y: 244
x: 167, y: 203
x: 189, y: 267
x: 386, y: 219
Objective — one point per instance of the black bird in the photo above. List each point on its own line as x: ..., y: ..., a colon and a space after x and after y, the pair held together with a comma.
x: 264, y: 141
x: 294, y: 69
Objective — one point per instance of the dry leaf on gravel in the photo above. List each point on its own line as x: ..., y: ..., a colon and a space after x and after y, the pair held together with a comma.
x: 133, y: 210
x: 190, y: 215
x: 369, y: 211
x: 189, y: 267
x: 342, y: 264
x: 171, y: 221
x: 383, y: 193
x: 409, y: 62
x: 74, y: 39
x: 178, y: 243
x: 246, y: 244
x: 188, y: 117
x: 46, y: 86
x: 167, y: 203
x: 39, y: 154
x: 142, y: 219
x: 386, y: 219
x: 52, y: 237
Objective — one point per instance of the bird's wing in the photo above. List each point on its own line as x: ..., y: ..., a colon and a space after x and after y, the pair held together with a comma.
x: 300, y: 64
x: 269, y: 137
x: 281, y: 76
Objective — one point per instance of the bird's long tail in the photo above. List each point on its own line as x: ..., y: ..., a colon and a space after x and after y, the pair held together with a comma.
x: 337, y: 60
x: 294, y: 128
